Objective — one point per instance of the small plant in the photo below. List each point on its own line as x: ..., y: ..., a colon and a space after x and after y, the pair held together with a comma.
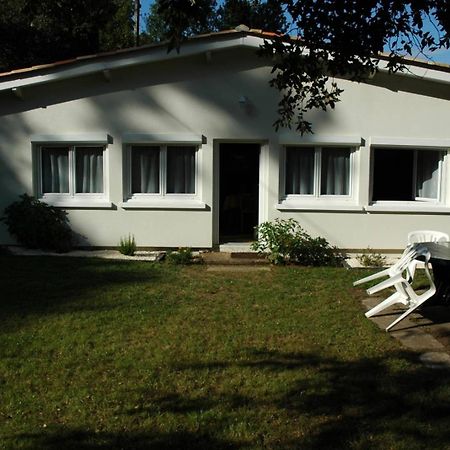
x: 127, y: 245
x: 369, y: 258
x: 285, y: 241
x: 182, y: 256
x: 37, y: 225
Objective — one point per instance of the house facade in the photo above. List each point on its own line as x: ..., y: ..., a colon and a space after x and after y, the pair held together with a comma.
x: 180, y: 149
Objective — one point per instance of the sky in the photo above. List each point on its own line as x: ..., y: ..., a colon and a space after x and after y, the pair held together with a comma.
x: 438, y: 56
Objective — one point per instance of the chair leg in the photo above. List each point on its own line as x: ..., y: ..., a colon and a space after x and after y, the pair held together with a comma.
x: 419, y: 301
x: 392, y: 299
x: 399, y: 319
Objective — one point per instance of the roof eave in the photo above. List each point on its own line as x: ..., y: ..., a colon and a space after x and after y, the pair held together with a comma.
x: 119, y: 60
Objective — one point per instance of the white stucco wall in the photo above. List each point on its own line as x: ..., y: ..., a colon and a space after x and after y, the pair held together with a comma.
x: 192, y: 95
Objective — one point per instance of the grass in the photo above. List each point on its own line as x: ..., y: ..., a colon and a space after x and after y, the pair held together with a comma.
x: 99, y: 354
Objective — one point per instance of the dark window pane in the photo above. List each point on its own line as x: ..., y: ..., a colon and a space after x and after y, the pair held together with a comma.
x: 299, y: 170
x: 145, y: 170
x: 335, y: 171
x: 393, y: 174
x: 89, y: 169
x: 181, y: 170
x: 55, y: 170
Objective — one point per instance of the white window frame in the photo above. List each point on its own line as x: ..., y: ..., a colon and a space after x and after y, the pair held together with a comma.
x: 417, y: 202
x: 72, y: 199
x: 318, y: 201
x: 162, y: 199
x: 163, y: 149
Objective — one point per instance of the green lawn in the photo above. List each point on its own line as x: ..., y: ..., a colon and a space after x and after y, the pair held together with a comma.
x: 99, y: 354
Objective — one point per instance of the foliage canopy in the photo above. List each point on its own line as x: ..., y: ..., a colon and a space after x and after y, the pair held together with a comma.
x: 36, y: 32
x: 207, y: 16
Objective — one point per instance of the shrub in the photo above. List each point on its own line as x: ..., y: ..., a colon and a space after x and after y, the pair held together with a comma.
x: 285, y: 241
x: 35, y: 224
x: 371, y: 259
x: 127, y: 245
x: 182, y: 256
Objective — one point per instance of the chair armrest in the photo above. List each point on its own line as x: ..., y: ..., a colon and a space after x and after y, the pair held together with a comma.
x: 383, y: 273
x: 385, y: 284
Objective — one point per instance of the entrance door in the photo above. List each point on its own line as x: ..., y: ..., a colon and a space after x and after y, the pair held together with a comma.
x: 239, y: 189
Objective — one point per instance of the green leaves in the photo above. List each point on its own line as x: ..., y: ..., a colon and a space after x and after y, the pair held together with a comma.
x: 285, y: 241
x: 127, y: 245
x: 37, y: 225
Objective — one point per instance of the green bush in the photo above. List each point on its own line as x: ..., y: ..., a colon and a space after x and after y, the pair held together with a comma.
x: 127, y: 245
x: 285, y: 241
x: 35, y: 224
x: 371, y: 259
x: 182, y: 256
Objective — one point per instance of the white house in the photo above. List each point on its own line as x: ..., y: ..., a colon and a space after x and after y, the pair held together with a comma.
x: 179, y: 149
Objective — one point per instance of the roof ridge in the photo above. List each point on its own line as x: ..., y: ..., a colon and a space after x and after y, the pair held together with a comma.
x: 240, y: 29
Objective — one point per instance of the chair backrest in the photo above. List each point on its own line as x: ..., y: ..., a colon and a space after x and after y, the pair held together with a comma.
x: 427, y: 236
x: 409, y: 254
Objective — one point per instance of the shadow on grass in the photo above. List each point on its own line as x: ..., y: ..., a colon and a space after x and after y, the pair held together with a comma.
x: 41, y: 285
x: 355, y: 404
x: 79, y: 439
x: 178, y: 404
x: 323, y: 403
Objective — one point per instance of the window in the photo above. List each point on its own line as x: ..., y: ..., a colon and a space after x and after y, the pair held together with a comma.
x: 406, y: 174
x: 317, y: 171
x: 71, y: 171
x: 162, y: 170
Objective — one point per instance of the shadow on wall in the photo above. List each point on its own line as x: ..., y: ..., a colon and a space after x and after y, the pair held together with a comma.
x: 13, y: 173
x: 183, y: 95
x: 129, y: 79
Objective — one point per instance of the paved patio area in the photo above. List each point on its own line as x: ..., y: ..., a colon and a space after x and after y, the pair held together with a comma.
x: 426, y: 332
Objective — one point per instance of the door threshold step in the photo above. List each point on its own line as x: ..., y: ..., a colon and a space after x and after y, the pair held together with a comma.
x: 237, y: 247
x: 243, y: 259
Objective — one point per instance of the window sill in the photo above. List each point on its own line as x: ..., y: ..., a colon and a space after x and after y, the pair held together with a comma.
x: 407, y: 207
x: 71, y: 203
x: 163, y: 204
x: 319, y: 206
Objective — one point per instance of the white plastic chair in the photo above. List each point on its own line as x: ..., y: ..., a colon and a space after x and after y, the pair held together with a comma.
x: 400, y: 296
x: 427, y: 236
x: 419, y: 236
x: 398, y: 277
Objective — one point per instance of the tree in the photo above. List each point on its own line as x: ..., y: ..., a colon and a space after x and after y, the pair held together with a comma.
x: 171, y: 19
x: 334, y: 39
x: 253, y: 13
x: 157, y: 30
x: 34, y: 32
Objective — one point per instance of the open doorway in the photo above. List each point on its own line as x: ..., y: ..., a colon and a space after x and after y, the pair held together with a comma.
x: 239, y: 190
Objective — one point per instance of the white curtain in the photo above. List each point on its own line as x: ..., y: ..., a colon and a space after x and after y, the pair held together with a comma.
x: 335, y: 172
x: 89, y: 169
x: 55, y: 169
x: 145, y: 170
x: 428, y: 173
x: 181, y: 170
x: 299, y: 170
